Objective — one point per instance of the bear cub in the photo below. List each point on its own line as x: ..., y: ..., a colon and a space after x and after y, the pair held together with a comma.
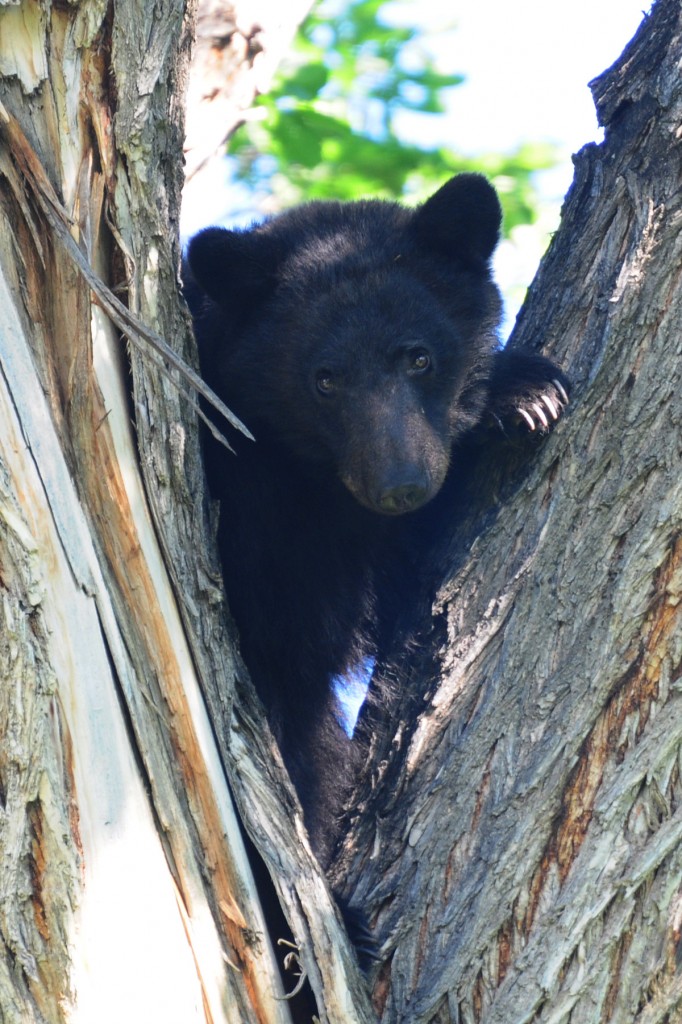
x: 357, y: 341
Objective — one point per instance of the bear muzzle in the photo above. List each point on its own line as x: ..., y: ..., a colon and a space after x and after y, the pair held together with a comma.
x: 394, y: 501
x: 406, y: 489
x: 394, y: 459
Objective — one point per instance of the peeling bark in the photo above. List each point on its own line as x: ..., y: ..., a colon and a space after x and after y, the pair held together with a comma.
x: 520, y: 844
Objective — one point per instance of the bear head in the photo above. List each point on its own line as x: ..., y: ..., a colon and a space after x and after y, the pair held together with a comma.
x: 357, y: 336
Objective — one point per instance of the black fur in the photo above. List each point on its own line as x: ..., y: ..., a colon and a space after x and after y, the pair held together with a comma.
x: 358, y: 343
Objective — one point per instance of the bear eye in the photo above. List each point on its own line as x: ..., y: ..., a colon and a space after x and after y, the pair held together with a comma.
x: 324, y: 382
x: 419, y: 360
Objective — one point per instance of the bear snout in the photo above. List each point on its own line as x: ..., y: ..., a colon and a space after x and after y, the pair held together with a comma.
x: 400, y: 488
x: 394, y: 501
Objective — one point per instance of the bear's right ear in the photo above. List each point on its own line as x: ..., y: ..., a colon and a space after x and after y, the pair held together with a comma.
x: 231, y: 265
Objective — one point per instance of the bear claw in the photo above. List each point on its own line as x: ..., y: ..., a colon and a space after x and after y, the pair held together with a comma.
x: 551, y: 406
x: 537, y: 409
x: 562, y: 391
x: 534, y: 413
x: 527, y: 417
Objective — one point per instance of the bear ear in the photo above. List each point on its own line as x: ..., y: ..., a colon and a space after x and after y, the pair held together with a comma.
x: 461, y: 219
x: 232, y: 264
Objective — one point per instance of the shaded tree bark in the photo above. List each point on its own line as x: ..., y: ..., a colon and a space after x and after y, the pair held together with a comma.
x: 519, y: 842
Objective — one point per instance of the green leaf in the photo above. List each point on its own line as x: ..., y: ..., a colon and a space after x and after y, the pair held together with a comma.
x: 308, y: 80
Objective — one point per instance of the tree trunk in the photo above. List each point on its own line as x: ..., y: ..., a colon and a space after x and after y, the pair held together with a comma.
x: 519, y: 845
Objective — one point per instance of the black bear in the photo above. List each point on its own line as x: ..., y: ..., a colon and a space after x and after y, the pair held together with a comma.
x: 358, y: 343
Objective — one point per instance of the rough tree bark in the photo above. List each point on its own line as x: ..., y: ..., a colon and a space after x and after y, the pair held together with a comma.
x: 520, y: 844
x: 522, y: 860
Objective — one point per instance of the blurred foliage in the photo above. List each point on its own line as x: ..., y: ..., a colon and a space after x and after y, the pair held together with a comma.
x: 329, y: 127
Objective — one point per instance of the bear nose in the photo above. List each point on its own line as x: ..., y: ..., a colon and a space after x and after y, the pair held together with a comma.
x: 403, y: 498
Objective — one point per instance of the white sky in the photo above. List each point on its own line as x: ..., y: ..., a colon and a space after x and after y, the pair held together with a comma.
x: 527, y: 64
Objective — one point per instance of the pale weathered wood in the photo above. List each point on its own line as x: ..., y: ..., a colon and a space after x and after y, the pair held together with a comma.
x: 86, y: 887
x: 521, y: 850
